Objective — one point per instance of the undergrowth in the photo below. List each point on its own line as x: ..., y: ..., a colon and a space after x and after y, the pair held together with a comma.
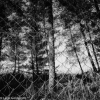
x: 73, y: 88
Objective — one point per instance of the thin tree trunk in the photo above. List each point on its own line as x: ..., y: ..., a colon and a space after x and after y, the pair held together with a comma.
x: 76, y: 54
x: 37, y: 69
x: 18, y: 64
x: 15, y: 60
x: 95, y: 56
x: 36, y: 58
x: 51, y: 51
x: 35, y: 41
x: 32, y: 62
x: 32, y: 66
x: 0, y: 44
x: 89, y: 55
x: 34, y: 46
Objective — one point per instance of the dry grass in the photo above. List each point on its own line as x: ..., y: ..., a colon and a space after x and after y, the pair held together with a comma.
x: 67, y: 87
x: 74, y: 89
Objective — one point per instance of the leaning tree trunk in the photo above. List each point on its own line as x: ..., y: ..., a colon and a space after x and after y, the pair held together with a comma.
x: 86, y: 45
x: 76, y: 54
x: 51, y: 51
x: 95, y: 56
x: 94, y: 52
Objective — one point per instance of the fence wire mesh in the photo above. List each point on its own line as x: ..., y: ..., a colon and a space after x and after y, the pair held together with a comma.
x: 24, y: 70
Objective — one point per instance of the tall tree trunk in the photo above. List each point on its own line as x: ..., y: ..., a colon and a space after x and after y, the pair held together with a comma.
x: 89, y: 55
x: 51, y: 51
x: 32, y: 66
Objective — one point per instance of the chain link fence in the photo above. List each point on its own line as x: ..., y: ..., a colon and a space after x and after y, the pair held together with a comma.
x: 18, y: 81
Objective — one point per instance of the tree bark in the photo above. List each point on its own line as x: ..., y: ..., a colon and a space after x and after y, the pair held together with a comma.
x: 51, y: 51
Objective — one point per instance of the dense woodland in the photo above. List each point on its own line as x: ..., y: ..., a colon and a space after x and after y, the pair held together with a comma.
x: 30, y: 33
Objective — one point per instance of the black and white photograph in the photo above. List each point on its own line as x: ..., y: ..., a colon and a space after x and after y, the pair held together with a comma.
x: 49, y: 49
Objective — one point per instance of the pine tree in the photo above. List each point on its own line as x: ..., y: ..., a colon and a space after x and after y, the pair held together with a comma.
x: 35, y: 37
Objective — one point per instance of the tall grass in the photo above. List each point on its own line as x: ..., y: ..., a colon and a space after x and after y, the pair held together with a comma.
x: 73, y: 88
